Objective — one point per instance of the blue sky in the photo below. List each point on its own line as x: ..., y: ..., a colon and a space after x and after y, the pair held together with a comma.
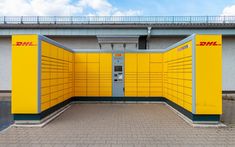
x: 117, y: 7
x: 174, y: 7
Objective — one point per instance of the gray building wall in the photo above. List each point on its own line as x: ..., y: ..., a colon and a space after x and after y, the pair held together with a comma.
x: 78, y: 42
x: 163, y: 41
x: 92, y: 43
x: 5, y: 63
x: 228, y: 63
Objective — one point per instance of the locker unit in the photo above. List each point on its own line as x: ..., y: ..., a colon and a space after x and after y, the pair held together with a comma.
x: 93, y: 74
x: 45, y: 79
x: 143, y: 74
x: 186, y: 75
x: 56, y: 75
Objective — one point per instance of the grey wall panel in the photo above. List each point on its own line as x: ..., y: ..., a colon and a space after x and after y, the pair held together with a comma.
x: 131, y: 46
x: 228, y: 63
x: 163, y: 42
x: 5, y: 63
x: 106, y: 46
x: 78, y: 42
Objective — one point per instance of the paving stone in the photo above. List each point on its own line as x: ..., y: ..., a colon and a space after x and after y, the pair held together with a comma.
x: 117, y: 125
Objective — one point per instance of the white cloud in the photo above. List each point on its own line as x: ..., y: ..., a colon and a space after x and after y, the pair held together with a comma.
x: 62, y: 8
x: 229, y: 11
x: 128, y: 13
x: 104, y: 8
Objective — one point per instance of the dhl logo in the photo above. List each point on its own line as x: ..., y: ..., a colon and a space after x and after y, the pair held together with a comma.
x: 20, y: 43
x: 209, y: 43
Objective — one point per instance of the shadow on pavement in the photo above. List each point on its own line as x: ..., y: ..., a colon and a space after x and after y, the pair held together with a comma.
x: 6, y: 118
x: 228, y: 116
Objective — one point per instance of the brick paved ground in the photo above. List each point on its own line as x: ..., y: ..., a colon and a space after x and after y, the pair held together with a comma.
x: 118, y: 125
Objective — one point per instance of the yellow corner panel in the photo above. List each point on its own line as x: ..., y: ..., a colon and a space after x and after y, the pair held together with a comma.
x: 208, y: 74
x: 25, y: 74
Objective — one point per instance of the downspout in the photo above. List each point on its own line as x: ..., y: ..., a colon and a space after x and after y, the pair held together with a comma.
x: 148, y: 36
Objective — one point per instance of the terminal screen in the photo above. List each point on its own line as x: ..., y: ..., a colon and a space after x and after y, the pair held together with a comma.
x: 118, y: 68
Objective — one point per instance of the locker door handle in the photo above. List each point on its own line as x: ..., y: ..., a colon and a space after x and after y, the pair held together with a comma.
x: 123, y: 89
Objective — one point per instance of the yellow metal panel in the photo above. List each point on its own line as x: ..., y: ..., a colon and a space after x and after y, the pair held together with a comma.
x: 60, y: 53
x: 130, y: 63
x: 45, y: 98
x: 93, y: 67
x: 130, y: 88
x: 130, y: 74
x: 187, y: 106
x: 106, y: 84
x: 188, y: 83
x: 54, y: 102
x: 156, y: 57
x: 155, y: 93
x: 156, y: 67
x: 45, y: 90
x: 93, y: 93
x: 45, y: 83
x: 143, y: 62
x: 105, y: 74
x: 25, y: 74
x: 208, y: 74
x: 106, y: 62
x: 45, y: 49
x: 130, y: 93
x: 106, y: 93
x: 82, y: 83
x: 80, y: 88
x: 188, y: 99
x: 143, y: 93
x: 130, y: 84
x: 81, y: 67
x: 159, y: 89
x: 93, y: 57
x: 80, y: 57
x: 80, y: 93
x: 66, y: 55
x: 45, y: 106
x: 92, y: 84
x: 54, y: 51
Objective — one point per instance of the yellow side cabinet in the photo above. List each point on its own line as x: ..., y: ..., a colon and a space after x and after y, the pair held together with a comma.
x: 25, y: 71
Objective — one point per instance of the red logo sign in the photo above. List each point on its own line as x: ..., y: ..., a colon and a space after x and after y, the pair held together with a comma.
x: 19, y: 43
x: 209, y: 43
x: 118, y: 55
